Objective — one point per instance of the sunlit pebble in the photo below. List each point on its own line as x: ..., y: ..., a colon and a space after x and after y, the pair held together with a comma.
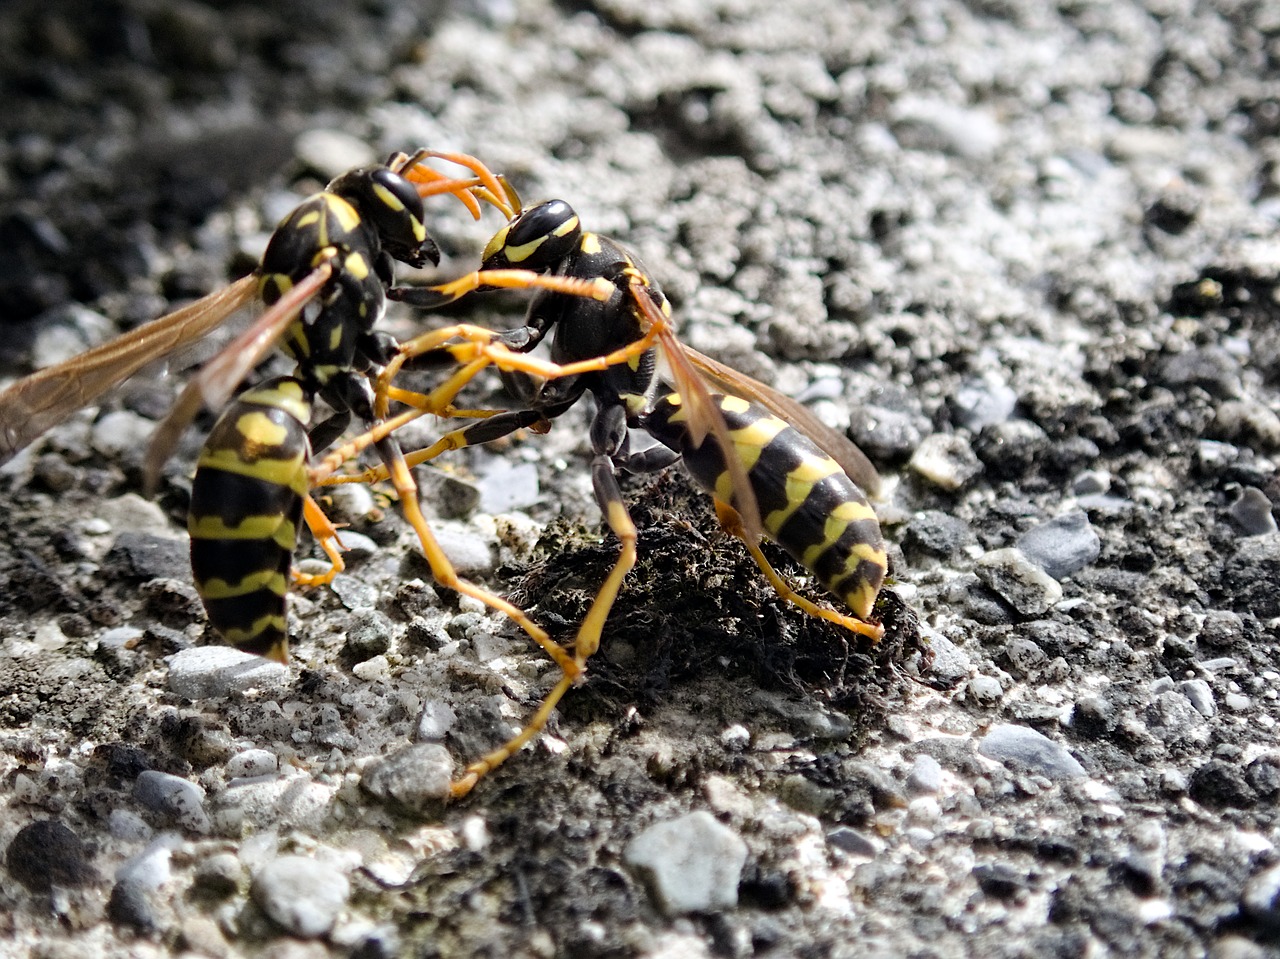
x: 301, y: 894
x: 691, y: 864
x: 1252, y: 512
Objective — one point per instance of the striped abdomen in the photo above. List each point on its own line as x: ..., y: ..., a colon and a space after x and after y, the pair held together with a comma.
x: 246, y: 502
x: 807, y: 504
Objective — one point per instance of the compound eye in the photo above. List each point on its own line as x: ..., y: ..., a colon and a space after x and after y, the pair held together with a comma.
x: 396, y: 195
x: 542, y: 236
x: 394, y: 206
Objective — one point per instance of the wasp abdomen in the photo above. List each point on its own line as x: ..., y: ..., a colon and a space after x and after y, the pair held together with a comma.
x: 807, y: 504
x: 246, y: 503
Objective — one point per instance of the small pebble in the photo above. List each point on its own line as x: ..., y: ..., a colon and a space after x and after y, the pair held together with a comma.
x: 1031, y: 751
x: 150, y: 868
x: 945, y: 460
x: 301, y: 894
x: 435, y: 721
x: 127, y: 826
x: 416, y: 777
x: 984, y: 402
x: 130, y: 905
x: 172, y: 796
x: 368, y: 635
x: 984, y: 690
x: 925, y: 778
x: 886, y: 435
x: 251, y: 763
x: 736, y: 737
x: 1261, y: 898
x: 218, y: 875
x: 1252, y: 512
x: 467, y: 550
x: 121, y: 431
x: 854, y: 843
x: 1091, y: 483
x: 1062, y: 546
x: 691, y: 864
x: 206, y: 672
x: 507, y: 486
x: 1018, y: 581
x: 46, y: 853
x: 1200, y: 696
x: 353, y: 593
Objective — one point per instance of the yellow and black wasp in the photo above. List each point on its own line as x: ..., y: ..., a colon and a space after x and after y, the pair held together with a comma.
x: 324, y: 277
x: 773, y: 468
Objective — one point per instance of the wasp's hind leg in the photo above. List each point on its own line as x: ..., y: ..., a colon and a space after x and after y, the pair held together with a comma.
x: 731, y: 522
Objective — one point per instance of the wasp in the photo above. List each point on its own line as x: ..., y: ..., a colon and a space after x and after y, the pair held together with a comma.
x: 324, y: 278
x: 774, y: 470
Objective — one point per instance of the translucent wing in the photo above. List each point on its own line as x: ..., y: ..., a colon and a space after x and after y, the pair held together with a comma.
x: 835, y: 444
x: 218, y: 379
x: 47, y: 397
x: 704, y: 416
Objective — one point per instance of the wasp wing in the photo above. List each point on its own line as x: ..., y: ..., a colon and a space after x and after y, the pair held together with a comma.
x: 44, y: 399
x: 705, y: 417
x: 218, y: 379
x: 832, y: 442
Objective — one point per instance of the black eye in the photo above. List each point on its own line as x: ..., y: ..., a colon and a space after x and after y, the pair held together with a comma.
x: 540, y: 237
x: 394, y: 207
x: 399, y: 193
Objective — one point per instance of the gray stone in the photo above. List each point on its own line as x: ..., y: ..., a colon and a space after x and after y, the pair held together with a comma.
x: 946, y: 461
x: 301, y: 894
x: 1029, y: 750
x: 416, y: 777
x: 172, y: 796
x: 691, y: 864
x: 206, y: 672
x: 1018, y: 581
x: 1062, y: 546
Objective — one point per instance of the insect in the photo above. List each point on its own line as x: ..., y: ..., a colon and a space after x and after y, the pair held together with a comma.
x: 324, y: 278
x: 772, y: 467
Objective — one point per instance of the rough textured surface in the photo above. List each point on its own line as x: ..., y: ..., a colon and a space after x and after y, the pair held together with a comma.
x: 1026, y: 254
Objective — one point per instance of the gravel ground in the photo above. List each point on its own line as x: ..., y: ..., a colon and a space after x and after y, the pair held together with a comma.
x: 1026, y: 255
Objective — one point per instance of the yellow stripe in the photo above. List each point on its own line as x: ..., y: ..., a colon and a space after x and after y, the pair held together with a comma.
x: 388, y: 198
x: 356, y: 265
x: 259, y: 429
x: 800, y: 484
x: 280, y: 472
x: 342, y: 211
x: 748, y: 443
x: 494, y: 246
x: 861, y: 600
x: 277, y: 529
x: 238, y: 637
x: 268, y: 579
x: 286, y: 395
x: 279, y: 282
x: 838, y: 521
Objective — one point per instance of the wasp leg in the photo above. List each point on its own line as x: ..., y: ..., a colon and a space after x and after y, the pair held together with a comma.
x: 442, y: 569
x: 495, y: 427
x: 589, y: 633
x: 609, y: 438
x: 478, y: 351
x: 430, y: 297
x: 326, y: 534
x: 731, y: 521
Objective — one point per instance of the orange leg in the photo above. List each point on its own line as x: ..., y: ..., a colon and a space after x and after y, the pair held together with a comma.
x: 732, y: 523
x: 326, y: 534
